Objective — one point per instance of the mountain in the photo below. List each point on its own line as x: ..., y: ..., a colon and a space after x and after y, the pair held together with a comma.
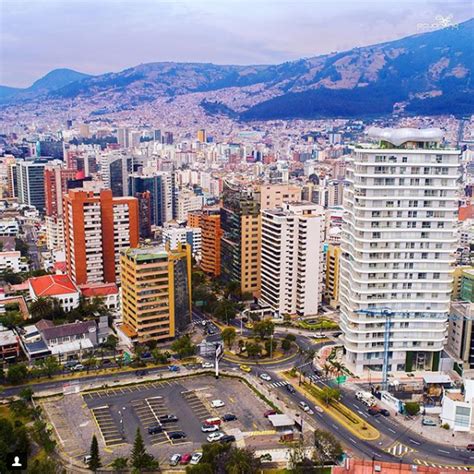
x: 52, y: 81
x: 428, y: 73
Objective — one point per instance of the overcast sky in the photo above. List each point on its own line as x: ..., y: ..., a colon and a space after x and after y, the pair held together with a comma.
x: 97, y: 36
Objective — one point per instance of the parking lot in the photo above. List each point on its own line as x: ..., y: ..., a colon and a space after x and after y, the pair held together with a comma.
x: 114, y: 414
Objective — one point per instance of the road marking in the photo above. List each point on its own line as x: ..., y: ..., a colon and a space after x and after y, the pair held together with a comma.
x: 443, y: 451
x: 393, y: 431
x: 354, y: 405
x: 334, y: 426
x: 399, y: 449
x: 414, y: 442
x: 353, y: 441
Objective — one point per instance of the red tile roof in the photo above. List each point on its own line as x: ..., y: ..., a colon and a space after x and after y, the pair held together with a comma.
x: 60, y: 266
x: 98, y: 289
x: 52, y: 285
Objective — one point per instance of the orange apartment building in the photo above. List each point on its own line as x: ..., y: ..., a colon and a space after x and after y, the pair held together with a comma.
x: 97, y: 227
x: 211, y: 233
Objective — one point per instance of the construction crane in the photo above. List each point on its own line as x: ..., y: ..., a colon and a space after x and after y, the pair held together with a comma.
x: 388, y: 314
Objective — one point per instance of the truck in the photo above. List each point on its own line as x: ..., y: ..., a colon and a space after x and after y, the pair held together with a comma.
x: 365, y: 397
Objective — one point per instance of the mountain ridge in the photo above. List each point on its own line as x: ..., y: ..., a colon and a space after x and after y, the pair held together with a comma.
x: 429, y: 72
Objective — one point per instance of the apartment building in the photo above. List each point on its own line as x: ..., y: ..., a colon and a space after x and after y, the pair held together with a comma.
x: 331, y: 286
x: 97, y: 227
x: 240, y: 241
x: 210, y: 224
x: 188, y: 202
x: 398, y: 239
x: 30, y: 182
x: 175, y: 235
x: 156, y: 292
x: 292, y: 258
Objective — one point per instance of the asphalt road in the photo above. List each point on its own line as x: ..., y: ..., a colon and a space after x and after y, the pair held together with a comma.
x: 391, y: 432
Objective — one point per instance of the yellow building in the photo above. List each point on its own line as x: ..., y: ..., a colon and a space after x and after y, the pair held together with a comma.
x: 201, y: 135
x: 331, y: 292
x: 156, y: 292
x: 457, y: 279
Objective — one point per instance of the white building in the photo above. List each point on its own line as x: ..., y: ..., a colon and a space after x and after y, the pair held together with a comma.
x: 9, y: 228
x: 188, y: 202
x: 12, y: 261
x: 292, y: 258
x: 457, y: 408
x: 183, y: 235
x: 54, y: 232
x: 59, y: 287
x: 397, y: 247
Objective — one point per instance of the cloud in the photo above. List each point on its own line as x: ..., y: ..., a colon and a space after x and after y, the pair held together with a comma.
x: 96, y: 36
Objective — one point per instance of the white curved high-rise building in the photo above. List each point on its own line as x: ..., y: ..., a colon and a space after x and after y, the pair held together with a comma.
x: 398, y: 240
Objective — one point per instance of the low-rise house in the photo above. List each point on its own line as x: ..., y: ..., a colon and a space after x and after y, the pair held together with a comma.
x: 13, y: 261
x: 9, y: 344
x: 59, y: 287
x: 457, y: 408
x: 108, y: 292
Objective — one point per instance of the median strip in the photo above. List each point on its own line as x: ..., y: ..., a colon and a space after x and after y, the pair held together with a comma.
x: 336, y: 410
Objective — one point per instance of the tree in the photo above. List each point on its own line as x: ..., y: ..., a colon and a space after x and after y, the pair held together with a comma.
x: 50, y: 366
x: 17, y: 373
x: 184, y: 346
x: 263, y: 328
x: 298, y: 461
x: 44, y: 466
x: 159, y: 357
x: 327, y: 448
x: 41, y: 308
x: 119, y: 464
x: 329, y: 394
x: 26, y: 394
x: 232, y: 288
x: 253, y: 349
x: 285, y: 345
x: 94, y: 461
x: 290, y: 337
x: 412, y: 408
x: 11, y: 277
x: 140, y: 459
x: 228, y: 335
x: 90, y: 362
x: 270, y: 346
x: 111, y: 342
x: 242, y: 461
x: 21, y: 246
x: 225, y: 310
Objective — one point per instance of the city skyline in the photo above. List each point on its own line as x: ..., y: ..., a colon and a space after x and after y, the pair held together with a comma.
x: 205, y: 31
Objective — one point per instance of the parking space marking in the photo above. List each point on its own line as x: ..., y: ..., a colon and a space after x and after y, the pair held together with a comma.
x: 107, y: 426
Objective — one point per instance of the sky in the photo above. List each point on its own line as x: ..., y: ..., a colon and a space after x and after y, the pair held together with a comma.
x: 98, y: 36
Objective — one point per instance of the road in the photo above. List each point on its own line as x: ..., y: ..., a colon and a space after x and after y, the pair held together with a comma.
x: 394, y: 436
x: 33, y: 251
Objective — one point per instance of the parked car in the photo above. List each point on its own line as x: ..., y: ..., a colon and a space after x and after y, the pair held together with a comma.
x: 470, y: 447
x: 318, y: 336
x: 195, y: 458
x: 217, y: 404
x: 207, y: 365
x: 228, y: 439
x: 269, y: 412
x: 78, y: 367
x: 168, y: 418
x: 384, y: 412
x: 265, y: 377
x: 176, y: 434
x: 428, y: 422
x: 70, y: 364
x: 155, y: 429
x: 213, y: 421
x: 106, y: 361
x: 290, y: 388
x: 266, y: 457
x: 173, y: 368
x: 229, y: 417
x: 209, y: 428
x: 141, y: 373
x: 215, y: 437
x: 245, y: 368
x: 87, y: 458
x: 186, y: 458
x: 174, y: 460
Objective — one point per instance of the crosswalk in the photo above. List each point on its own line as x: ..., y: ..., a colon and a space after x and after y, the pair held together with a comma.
x: 422, y: 462
x: 399, y: 449
x: 278, y: 384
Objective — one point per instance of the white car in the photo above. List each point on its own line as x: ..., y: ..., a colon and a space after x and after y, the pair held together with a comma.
x: 215, y: 437
x: 265, y: 377
x: 304, y: 406
x: 318, y: 336
x: 217, y: 404
x: 174, y: 460
x: 207, y: 365
x: 195, y: 458
x: 318, y: 409
x: 209, y: 428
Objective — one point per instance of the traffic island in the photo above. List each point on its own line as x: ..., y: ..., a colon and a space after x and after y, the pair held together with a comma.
x: 339, y: 412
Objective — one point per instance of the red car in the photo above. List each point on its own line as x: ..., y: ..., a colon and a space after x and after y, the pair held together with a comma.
x: 269, y: 412
x: 185, y: 458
